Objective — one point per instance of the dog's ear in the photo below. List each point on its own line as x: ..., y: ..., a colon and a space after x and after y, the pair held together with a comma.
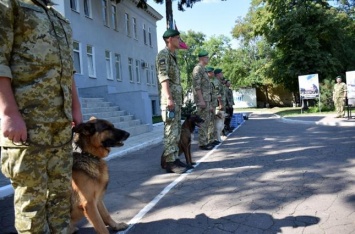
x: 85, y: 129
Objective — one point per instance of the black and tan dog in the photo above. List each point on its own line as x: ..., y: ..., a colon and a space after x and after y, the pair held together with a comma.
x: 92, y: 142
x: 187, y: 129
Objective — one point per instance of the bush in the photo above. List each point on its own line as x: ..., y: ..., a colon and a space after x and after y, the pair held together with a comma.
x: 188, y: 108
x: 326, y: 97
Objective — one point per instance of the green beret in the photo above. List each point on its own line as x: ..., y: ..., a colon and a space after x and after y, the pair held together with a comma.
x: 338, y: 77
x: 170, y: 33
x: 209, y: 69
x: 217, y: 71
x: 203, y: 53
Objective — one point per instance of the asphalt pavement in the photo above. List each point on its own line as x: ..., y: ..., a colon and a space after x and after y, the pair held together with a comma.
x: 271, y: 175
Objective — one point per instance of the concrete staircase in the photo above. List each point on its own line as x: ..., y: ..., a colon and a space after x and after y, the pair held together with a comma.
x: 101, y: 109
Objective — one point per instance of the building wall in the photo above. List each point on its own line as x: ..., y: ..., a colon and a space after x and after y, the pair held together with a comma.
x: 107, y: 41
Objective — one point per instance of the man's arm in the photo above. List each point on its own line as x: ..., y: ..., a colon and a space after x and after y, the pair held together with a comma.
x: 165, y: 89
x: 12, y: 124
x: 76, y: 108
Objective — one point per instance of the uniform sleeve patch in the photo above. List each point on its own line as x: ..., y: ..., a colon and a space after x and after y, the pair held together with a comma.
x: 162, y: 61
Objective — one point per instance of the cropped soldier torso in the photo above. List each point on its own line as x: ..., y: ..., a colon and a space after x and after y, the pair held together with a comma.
x: 201, y: 82
x: 339, y: 90
x: 37, y: 54
x: 168, y: 69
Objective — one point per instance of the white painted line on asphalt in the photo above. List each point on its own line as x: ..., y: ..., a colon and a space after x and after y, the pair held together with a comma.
x: 6, y: 191
x: 167, y: 189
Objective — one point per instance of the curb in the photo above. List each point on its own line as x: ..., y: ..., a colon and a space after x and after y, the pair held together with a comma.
x: 323, y: 123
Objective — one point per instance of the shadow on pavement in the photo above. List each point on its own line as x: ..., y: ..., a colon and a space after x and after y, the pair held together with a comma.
x: 238, y: 223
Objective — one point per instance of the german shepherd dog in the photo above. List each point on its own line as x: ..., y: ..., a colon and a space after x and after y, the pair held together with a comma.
x: 187, y: 129
x: 92, y: 142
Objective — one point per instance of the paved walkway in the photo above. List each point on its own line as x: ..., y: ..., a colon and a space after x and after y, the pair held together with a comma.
x: 270, y: 175
x: 156, y: 135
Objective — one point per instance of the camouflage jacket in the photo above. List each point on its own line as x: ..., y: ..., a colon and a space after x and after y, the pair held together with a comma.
x: 339, y: 90
x: 200, y: 81
x: 36, y: 54
x: 230, y: 100
x: 168, y: 69
x: 216, y: 92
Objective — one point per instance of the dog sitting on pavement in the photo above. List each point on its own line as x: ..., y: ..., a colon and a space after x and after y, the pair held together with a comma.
x: 187, y: 129
x: 219, y: 124
x: 92, y: 142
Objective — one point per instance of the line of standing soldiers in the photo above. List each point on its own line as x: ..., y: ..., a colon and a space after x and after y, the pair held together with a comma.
x: 212, y: 94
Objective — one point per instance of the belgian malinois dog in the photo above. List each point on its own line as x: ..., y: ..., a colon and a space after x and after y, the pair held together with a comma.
x: 92, y: 142
x: 187, y: 129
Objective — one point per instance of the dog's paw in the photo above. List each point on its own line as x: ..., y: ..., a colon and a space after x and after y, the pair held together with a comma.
x: 120, y: 226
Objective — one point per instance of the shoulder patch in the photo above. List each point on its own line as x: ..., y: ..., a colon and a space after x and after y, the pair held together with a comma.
x: 162, y: 61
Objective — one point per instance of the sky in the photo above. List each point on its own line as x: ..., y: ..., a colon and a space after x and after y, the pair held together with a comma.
x: 210, y: 17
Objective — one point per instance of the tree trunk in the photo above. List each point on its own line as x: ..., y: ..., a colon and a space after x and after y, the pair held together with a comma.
x: 169, y: 14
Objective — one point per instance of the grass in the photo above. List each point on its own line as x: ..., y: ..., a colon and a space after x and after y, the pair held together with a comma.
x: 284, y: 111
x: 157, y: 119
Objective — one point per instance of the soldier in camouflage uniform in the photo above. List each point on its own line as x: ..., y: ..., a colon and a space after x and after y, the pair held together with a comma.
x: 38, y: 105
x: 222, y: 97
x: 202, y: 94
x: 214, y: 103
x: 339, y: 96
x: 171, y: 100
x: 229, y: 106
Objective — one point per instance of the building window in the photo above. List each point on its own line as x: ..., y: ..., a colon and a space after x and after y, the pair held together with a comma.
x: 108, y: 65
x: 147, y: 75
x: 144, y: 34
x: 128, y: 31
x: 114, y: 17
x: 87, y: 8
x: 77, y: 56
x: 138, y: 77
x: 135, y: 34
x: 152, y: 75
x: 150, y: 37
x: 130, y: 69
x: 91, y: 62
x: 74, y: 5
x: 118, y: 66
x: 104, y: 12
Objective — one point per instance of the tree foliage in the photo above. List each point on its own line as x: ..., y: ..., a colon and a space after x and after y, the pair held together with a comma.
x: 303, y: 37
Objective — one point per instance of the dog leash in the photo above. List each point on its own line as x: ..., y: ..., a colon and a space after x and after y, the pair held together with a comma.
x: 28, y: 143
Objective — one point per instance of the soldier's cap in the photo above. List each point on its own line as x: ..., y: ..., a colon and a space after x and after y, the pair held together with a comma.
x: 171, y: 33
x: 202, y: 53
x: 209, y: 69
x: 338, y: 77
x: 217, y: 71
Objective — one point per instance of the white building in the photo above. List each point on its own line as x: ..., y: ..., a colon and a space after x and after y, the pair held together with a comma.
x: 115, y: 45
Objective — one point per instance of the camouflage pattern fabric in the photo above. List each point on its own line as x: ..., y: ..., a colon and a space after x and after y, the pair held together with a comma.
x: 205, y: 114
x: 36, y: 54
x: 230, y: 100
x: 214, y: 103
x: 172, y: 131
x: 167, y: 69
x: 202, y: 82
x: 338, y: 98
x: 222, y: 92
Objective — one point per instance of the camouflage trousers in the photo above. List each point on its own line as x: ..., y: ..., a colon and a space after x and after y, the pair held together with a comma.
x: 204, y: 113
x: 172, y: 131
x: 41, y: 178
x: 211, y: 128
x: 339, y: 106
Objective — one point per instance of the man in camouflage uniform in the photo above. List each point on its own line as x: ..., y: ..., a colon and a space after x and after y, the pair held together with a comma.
x: 229, y: 106
x: 38, y: 105
x: 214, y: 103
x: 339, y: 96
x: 222, y: 97
x: 202, y: 94
x: 171, y: 99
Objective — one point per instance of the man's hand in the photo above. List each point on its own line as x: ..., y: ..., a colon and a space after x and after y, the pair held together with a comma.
x: 14, y: 128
